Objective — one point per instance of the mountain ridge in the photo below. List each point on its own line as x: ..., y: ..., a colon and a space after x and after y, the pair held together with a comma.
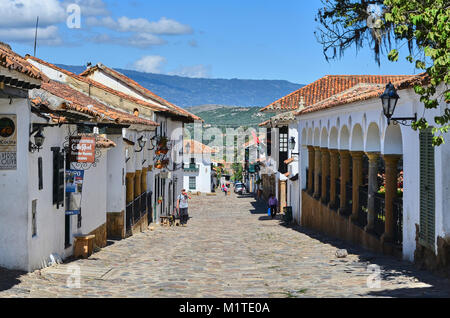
x: 188, y: 92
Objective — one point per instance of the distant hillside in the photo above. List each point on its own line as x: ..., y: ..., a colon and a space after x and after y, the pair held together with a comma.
x: 185, y: 91
x: 220, y: 115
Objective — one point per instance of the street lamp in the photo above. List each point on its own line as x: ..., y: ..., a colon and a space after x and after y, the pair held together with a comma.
x: 292, y: 145
x: 141, y: 142
x: 38, y: 141
x: 389, y: 101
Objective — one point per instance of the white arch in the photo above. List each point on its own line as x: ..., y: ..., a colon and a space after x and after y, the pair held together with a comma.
x: 333, y: 138
x: 373, y: 143
x: 393, y: 144
x: 344, y: 138
x: 316, y: 137
x: 310, y: 137
x: 357, y: 142
x: 324, y: 138
x: 304, y: 137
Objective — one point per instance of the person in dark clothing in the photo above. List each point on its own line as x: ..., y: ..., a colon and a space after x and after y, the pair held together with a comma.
x: 273, y: 204
x: 182, y: 206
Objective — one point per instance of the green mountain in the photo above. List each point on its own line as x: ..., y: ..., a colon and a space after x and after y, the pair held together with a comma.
x: 185, y: 91
x: 229, y: 116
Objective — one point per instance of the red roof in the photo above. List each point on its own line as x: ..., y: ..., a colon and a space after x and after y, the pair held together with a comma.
x: 328, y: 86
x: 102, y: 87
x: 128, y: 81
x: 362, y: 91
x: 13, y: 61
x: 84, y: 104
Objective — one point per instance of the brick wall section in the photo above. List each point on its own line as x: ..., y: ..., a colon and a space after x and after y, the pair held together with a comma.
x: 115, y: 225
x: 319, y: 217
x: 100, y: 236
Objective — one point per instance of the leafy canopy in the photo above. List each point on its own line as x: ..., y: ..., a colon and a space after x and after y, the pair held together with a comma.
x: 422, y: 25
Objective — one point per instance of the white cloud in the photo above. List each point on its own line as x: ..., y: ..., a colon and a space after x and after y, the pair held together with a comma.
x: 23, y: 13
x: 195, y: 71
x: 150, y: 64
x: 89, y: 8
x: 140, y: 40
x: 124, y: 24
x: 46, y: 36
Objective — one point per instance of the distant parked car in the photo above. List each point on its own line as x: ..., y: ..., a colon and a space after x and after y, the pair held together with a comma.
x: 240, y: 189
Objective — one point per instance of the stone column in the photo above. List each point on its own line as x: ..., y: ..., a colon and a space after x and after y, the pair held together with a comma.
x: 334, y: 172
x: 325, y: 172
x: 317, y: 170
x: 357, y: 159
x: 130, y: 187
x: 372, y: 189
x: 311, y: 161
x: 345, y: 176
x: 137, y: 184
x: 391, y: 162
x: 144, y: 180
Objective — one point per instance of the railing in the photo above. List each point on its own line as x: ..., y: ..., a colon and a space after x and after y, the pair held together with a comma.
x: 307, y: 178
x: 338, y: 194
x: 191, y: 167
x: 129, y: 216
x: 327, y: 191
x: 398, y: 221
x: 149, y: 207
x: 363, y: 207
x: 137, y: 210
x: 319, y: 177
x: 379, y: 214
x: 349, y: 198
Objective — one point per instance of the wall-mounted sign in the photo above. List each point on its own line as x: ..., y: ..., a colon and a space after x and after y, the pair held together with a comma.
x: 82, y: 149
x: 74, y: 191
x: 8, y: 142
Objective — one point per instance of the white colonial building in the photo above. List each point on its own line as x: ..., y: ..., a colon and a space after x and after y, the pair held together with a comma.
x: 197, y: 167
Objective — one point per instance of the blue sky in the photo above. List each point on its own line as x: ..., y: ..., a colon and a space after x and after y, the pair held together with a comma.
x: 246, y: 39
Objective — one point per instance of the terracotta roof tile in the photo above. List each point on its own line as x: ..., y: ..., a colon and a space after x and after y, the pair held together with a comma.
x: 362, y: 91
x: 128, y: 81
x: 82, y: 103
x: 326, y: 87
x: 196, y: 147
x: 102, y: 87
x: 13, y: 61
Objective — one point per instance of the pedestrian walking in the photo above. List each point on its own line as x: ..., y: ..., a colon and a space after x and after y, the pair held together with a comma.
x: 182, y: 206
x: 273, y: 204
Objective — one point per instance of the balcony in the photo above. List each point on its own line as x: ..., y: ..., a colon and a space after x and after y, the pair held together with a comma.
x: 191, y: 167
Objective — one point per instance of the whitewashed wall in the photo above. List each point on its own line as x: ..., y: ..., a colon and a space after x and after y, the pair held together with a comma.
x: 14, y: 212
x: 347, y: 127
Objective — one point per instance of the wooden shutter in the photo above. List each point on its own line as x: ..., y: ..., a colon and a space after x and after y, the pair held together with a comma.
x: 427, y: 190
x: 58, y: 177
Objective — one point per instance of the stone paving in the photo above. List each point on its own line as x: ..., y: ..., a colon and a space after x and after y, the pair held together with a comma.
x: 230, y: 248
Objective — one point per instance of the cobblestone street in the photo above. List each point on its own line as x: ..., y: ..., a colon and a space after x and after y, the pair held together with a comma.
x: 230, y: 248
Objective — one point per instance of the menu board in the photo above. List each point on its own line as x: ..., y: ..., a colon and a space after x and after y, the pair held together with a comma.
x: 82, y: 149
x: 8, y: 142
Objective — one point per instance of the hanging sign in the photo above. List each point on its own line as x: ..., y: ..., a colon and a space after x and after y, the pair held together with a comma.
x: 82, y: 149
x: 8, y: 142
x: 74, y: 190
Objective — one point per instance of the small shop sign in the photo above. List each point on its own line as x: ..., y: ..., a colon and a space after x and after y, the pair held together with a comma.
x: 82, y: 149
x: 74, y: 191
x: 8, y: 142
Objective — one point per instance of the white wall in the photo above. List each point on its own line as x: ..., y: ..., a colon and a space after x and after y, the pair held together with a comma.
x: 14, y: 212
x: 363, y: 114
x: 50, y: 220
x: 116, y: 194
x: 93, y: 202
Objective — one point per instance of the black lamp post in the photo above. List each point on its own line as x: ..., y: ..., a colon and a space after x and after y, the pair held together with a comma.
x: 292, y: 145
x: 389, y: 101
x: 141, y: 142
x: 39, y: 139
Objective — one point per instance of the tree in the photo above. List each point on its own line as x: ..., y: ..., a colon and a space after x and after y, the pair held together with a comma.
x: 422, y: 25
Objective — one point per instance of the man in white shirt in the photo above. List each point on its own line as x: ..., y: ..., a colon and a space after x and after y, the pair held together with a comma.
x: 182, y: 206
